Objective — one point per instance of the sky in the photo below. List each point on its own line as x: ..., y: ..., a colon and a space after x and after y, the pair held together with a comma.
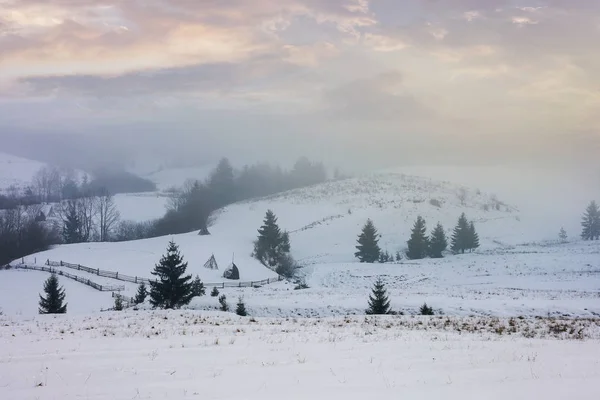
x: 356, y: 83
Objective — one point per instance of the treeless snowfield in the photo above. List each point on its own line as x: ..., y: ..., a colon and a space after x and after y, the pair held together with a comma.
x: 190, y: 355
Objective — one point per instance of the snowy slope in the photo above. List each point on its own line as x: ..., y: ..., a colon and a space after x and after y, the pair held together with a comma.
x: 188, y: 355
x: 519, y: 269
x: 16, y: 171
x: 141, y: 207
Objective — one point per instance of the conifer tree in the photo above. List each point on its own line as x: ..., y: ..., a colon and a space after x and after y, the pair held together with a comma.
x: 55, y: 296
x: 418, y: 243
x: 141, y: 294
x: 591, y: 222
x: 460, y: 236
x: 72, y: 225
x: 426, y: 310
x: 473, y: 237
x: 368, y: 247
x: 562, y: 235
x: 437, y: 242
x: 172, y: 289
x: 241, y: 308
x: 398, y: 256
x: 198, y: 287
x: 271, y: 244
x: 379, y: 302
x: 118, y: 303
x: 223, y: 303
x: 214, y: 292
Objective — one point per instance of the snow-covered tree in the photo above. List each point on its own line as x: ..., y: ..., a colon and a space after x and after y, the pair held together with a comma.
x: 437, y: 242
x: 591, y: 222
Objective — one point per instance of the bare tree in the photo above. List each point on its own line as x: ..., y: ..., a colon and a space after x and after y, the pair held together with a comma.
x: 87, y: 215
x: 106, y: 213
x: 47, y: 181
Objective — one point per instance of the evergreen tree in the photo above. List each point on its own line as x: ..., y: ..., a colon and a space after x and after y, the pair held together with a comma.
x: 241, y: 308
x: 141, y: 294
x: 55, y: 296
x: 460, y: 236
x: 214, y: 292
x: 379, y: 302
x: 368, y: 247
x: 426, y: 310
x: 473, y: 237
x: 562, y: 235
x: 418, y: 242
x: 591, y: 222
x: 271, y: 244
x: 223, y: 303
x: 172, y: 289
x: 118, y: 303
x: 398, y: 256
x: 437, y: 242
x: 198, y: 287
x: 72, y: 226
x: 222, y: 183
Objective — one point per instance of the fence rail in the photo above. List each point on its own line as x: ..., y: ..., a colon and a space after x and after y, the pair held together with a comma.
x: 97, y: 286
x: 138, y: 280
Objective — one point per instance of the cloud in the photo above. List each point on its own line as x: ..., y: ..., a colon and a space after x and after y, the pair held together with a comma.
x: 484, y: 71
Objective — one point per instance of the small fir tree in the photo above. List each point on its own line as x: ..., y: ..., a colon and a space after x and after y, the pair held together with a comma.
x: 55, y: 296
x: 460, y: 236
x: 141, y: 294
x: 426, y: 310
x: 241, y: 308
x: 562, y: 235
x: 198, y: 287
x: 590, y: 223
x: 418, y: 242
x: 368, y: 247
x: 271, y: 243
x: 398, y: 256
x: 437, y: 242
x: 118, y: 303
x: 214, y: 292
x: 473, y: 237
x: 223, y: 303
x: 379, y: 302
x: 173, y: 288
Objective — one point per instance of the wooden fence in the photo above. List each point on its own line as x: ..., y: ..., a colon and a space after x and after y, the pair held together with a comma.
x: 138, y: 280
x: 102, y: 288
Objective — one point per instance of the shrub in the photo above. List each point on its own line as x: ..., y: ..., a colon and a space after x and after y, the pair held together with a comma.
x: 426, y: 310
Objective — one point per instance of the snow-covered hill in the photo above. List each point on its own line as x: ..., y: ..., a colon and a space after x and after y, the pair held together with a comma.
x: 16, y: 172
x: 519, y: 268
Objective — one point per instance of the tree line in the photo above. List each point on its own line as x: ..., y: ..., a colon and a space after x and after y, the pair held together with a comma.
x: 190, y: 207
x: 420, y: 245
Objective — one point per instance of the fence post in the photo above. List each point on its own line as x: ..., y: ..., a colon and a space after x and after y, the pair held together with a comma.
x: 117, y: 276
x: 98, y: 273
x: 78, y: 267
x: 61, y: 263
x: 48, y: 261
x: 136, y: 279
x: 223, y: 285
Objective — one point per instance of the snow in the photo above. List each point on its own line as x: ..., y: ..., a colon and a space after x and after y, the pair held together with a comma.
x: 188, y: 355
x: 520, y: 268
x: 19, y: 293
x: 16, y: 171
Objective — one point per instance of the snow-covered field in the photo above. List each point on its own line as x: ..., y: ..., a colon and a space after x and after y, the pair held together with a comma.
x: 189, y: 355
x: 168, y: 178
x: 520, y: 268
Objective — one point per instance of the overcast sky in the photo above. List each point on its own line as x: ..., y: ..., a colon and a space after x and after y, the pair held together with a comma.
x: 353, y: 82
